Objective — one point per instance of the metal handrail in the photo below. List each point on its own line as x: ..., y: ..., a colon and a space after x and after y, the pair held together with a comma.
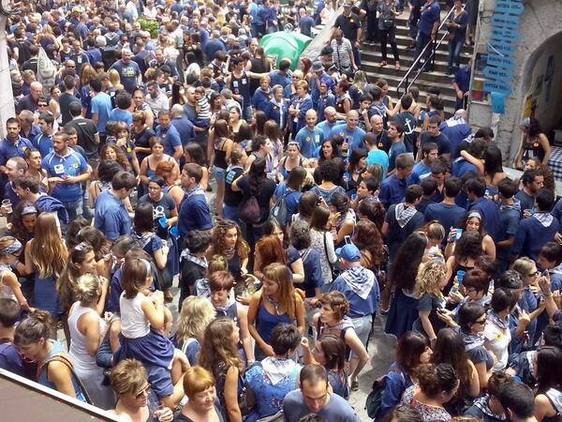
x: 432, y: 45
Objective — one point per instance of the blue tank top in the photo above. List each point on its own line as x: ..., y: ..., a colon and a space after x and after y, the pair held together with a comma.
x: 266, y: 322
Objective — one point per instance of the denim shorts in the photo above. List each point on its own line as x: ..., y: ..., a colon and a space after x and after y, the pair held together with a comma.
x: 362, y: 326
x: 219, y: 173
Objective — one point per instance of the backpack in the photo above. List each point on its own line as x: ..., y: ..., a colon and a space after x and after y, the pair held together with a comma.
x: 374, y: 399
x: 46, y: 70
x: 280, y: 211
x: 250, y: 211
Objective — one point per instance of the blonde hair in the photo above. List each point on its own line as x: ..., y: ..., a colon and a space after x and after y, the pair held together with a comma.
x: 430, y: 276
x: 128, y: 376
x: 196, y: 380
x: 282, y: 276
x: 48, y: 250
x: 87, y: 289
x: 196, y: 313
x: 523, y: 266
x: 114, y: 78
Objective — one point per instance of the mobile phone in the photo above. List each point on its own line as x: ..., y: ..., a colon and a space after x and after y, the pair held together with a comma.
x: 458, y: 234
x: 347, y: 239
x: 460, y: 276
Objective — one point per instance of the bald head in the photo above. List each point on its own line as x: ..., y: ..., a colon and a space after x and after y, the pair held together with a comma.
x: 330, y: 114
x: 352, y: 119
x: 176, y: 111
x: 376, y: 123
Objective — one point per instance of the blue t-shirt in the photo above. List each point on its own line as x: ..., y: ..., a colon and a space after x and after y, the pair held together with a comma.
x: 429, y: 16
x: 395, y: 150
x: 101, y: 105
x: 73, y: 164
x: 379, y: 157
x: 44, y: 144
x: 353, y: 137
x: 337, y: 408
x: 489, y: 210
x: 9, y: 149
x: 170, y: 138
x: 194, y: 214
x: 309, y: 141
x: 111, y: 216
x: 129, y: 74
x: 462, y: 167
x: 326, y: 128
x: 118, y: 115
x: 447, y: 215
x: 393, y: 190
x: 421, y: 171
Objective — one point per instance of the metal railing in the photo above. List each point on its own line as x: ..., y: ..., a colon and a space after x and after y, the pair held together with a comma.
x: 407, y: 81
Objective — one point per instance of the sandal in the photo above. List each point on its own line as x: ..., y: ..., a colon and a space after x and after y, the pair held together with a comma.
x: 397, y: 66
x: 382, y: 64
x: 354, y: 385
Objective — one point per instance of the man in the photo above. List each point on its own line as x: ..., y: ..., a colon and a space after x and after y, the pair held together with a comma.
x: 314, y: 397
x: 343, y: 53
x: 10, y: 357
x: 194, y: 211
x: 427, y: 28
x: 325, y: 100
x: 447, y: 212
x: 488, y: 407
x: 169, y: 135
x: 31, y: 100
x: 433, y: 134
x: 350, y: 25
x: 534, y: 232
x: 101, y: 107
x: 518, y: 403
x: 67, y: 97
x: 15, y: 167
x: 361, y: 288
x: 79, y: 56
x: 461, y: 85
x: 28, y: 129
x: 377, y: 128
x: 460, y: 165
x: 128, y: 70
x: 409, y: 122
x: 88, y: 136
x: 309, y: 137
x: 301, y: 103
x: 395, y: 133
x: 44, y: 140
x: 262, y: 95
x: 111, y: 216
x: 352, y: 134
x: 422, y: 169
x: 393, y: 188
x: 213, y: 45
x: 318, y: 76
x: 488, y: 209
x: 182, y: 124
x: 457, y: 130
x: 533, y: 182
x: 305, y: 22
x: 326, y: 126
x: 281, y: 76
x: 13, y: 145
x: 28, y: 190
x: 66, y: 170
x: 156, y: 99
x: 510, y: 214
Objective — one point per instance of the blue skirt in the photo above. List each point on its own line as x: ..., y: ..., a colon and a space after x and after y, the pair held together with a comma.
x: 152, y: 349
x: 45, y: 296
x: 402, y: 314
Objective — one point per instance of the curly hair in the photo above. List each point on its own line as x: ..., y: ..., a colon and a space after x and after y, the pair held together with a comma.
x: 404, y: 269
x: 430, y: 276
x: 196, y: 313
x: 219, y: 232
x: 367, y: 238
x: 468, y: 246
x: 218, y: 346
x: 337, y: 301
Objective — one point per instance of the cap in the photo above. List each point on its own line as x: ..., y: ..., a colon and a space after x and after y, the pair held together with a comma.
x: 317, y: 66
x: 349, y: 252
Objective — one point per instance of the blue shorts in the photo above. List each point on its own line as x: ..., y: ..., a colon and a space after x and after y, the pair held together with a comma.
x: 219, y: 174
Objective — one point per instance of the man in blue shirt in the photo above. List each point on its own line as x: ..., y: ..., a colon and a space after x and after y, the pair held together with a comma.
x: 317, y: 78
x: 433, y: 134
x: 422, y: 169
x: 194, y: 211
x: 510, y: 215
x: 101, y: 107
x: 121, y: 113
x: 427, y: 27
x: 128, y: 70
x: 44, y: 141
x: 28, y: 190
x: 111, y: 216
x: 281, y: 76
x: 447, y: 212
x: 309, y: 137
x: 533, y: 182
x: 169, y: 135
x: 393, y: 188
x: 395, y: 133
x: 457, y: 130
x: 305, y: 22
x: 13, y: 145
x: 66, y: 170
x: 350, y: 131
x: 488, y: 209
x: 182, y: 124
x: 326, y: 126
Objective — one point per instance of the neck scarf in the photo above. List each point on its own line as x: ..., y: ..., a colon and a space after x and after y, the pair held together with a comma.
x: 278, y: 369
x: 360, y: 280
x: 502, y: 324
x: 403, y: 214
x: 472, y: 341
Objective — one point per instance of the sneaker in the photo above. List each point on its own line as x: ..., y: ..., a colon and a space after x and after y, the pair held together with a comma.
x: 397, y: 66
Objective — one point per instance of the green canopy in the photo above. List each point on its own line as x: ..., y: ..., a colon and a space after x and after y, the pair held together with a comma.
x: 285, y: 45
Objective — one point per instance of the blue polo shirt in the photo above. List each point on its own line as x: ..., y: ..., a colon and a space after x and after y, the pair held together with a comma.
x: 326, y: 128
x: 393, y: 190
x: 44, y: 144
x: 447, y: 215
x: 353, y: 137
x: 277, y: 78
x: 111, y: 216
x: 72, y: 164
x: 118, y: 115
x: 421, y: 171
x: 309, y: 141
x: 9, y: 149
x: 170, y: 137
x: 428, y: 17
x: 194, y: 213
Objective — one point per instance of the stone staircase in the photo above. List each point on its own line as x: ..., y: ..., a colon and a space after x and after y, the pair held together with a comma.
x: 371, y: 57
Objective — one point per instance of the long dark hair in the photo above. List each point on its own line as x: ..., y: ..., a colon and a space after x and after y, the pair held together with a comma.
x: 410, y: 348
x: 405, y: 267
x: 449, y: 348
x: 18, y: 230
x: 493, y: 160
x: 549, y: 368
x: 256, y: 174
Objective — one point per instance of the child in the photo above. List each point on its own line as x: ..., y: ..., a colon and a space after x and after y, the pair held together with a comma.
x: 10, y: 287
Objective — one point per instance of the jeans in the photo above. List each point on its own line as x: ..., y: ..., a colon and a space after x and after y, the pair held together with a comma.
x: 421, y: 42
x: 388, y: 36
x: 455, y: 48
x: 74, y: 209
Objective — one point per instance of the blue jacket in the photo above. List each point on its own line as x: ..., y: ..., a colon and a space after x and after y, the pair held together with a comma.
x: 46, y: 203
x: 260, y: 100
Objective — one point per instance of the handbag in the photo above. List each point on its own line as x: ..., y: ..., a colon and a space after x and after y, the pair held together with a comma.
x: 250, y: 211
x: 246, y: 397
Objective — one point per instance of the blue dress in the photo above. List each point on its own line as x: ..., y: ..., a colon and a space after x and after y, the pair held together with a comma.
x: 265, y: 323
x: 402, y: 314
x: 45, y: 295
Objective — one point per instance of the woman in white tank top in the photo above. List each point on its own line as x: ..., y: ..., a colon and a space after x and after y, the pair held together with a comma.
x: 87, y: 330
x: 10, y: 288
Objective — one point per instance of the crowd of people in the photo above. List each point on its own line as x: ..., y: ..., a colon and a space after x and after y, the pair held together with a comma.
x: 279, y: 208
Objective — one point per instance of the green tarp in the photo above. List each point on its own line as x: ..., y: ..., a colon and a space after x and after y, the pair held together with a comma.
x: 285, y: 45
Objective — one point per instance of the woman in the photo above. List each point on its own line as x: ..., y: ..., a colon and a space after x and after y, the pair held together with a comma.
x: 342, y: 217
x: 196, y: 314
x: 548, y: 401
x: 490, y: 167
x: 141, y: 106
x: 165, y: 211
x: 235, y: 120
x: 274, y: 144
x: 355, y: 169
x: 404, y: 270
x: 534, y: 143
x: 258, y: 149
x: 430, y: 280
x: 449, y: 348
x: 219, y: 355
x: 321, y: 239
x: 233, y: 199
x: 468, y: 249
x: 437, y: 384
x: 277, y: 374
x: 45, y: 255
x: 330, y: 352
x: 171, y: 187
x: 367, y: 238
x: 412, y: 351
x: 34, y: 169
x: 344, y: 102
x: 330, y: 175
x: 23, y: 223
x: 54, y: 367
x: 135, y: 401
x: 309, y: 201
x: 150, y: 163
x: 141, y: 134
x: 276, y: 303
x: 387, y: 30
x: 111, y: 152
x: 292, y: 159
x: 255, y: 184
x: 227, y: 241
x: 10, y: 287
x: 106, y: 170
x: 219, y: 151
x: 333, y: 320
x: 457, y: 35
x: 328, y: 151
x: 474, y: 288
x: 199, y: 387
x: 269, y: 249
x: 87, y: 330
x: 290, y: 192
